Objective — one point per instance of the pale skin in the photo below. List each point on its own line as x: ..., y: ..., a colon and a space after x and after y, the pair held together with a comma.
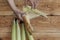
x: 16, y: 10
x: 20, y: 14
x: 34, y: 3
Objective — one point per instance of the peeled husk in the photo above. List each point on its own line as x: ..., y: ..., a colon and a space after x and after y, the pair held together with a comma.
x: 33, y: 13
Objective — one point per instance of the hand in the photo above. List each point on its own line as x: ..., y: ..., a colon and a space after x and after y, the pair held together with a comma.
x: 19, y: 14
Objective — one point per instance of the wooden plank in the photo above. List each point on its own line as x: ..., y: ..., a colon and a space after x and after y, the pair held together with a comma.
x: 5, y: 34
x: 6, y: 23
x: 5, y: 6
x: 49, y: 26
x: 17, y: 2
x: 6, y: 13
x: 56, y: 11
x: 55, y: 21
x: 49, y: 7
x: 6, y: 38
x: 46, y: 36
x: 37, y: 36
x: 5, y: 29
x: 40, y: 23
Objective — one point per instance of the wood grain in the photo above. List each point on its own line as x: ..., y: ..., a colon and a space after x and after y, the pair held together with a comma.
x: 7, y: 13
x: 48, y: 6
x: 43, y: 29
x: 41, y: 24
x: 6, y: 23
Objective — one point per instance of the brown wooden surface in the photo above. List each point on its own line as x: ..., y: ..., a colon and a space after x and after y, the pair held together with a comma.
x: 43, y: 29
x: 41, y: 24
x: 6, y: 13
x: 50, y: 7
x: 4, y: 6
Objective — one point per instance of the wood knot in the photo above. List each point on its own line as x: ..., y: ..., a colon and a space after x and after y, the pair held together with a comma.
x: 38, y: 39
x: 0, y: 38
x: 51, y: 15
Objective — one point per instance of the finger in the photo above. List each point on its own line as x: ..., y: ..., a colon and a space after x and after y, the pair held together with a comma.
x: 19, y: 15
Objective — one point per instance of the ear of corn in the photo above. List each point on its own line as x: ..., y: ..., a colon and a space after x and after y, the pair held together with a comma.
x: 18, y: 31
x: 14, y: 31
x: 23, y: 32
x: 20, y: 34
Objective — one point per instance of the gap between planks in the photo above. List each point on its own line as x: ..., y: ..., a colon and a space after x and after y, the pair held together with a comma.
x: 12, y: 13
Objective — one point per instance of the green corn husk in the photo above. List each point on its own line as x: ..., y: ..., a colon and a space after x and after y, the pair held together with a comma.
x: 33, y: 13
x: 14, y: 31
x: 30, y: 36
x: 18, y: 31
x: 16, y: 34
x: 23, y: 32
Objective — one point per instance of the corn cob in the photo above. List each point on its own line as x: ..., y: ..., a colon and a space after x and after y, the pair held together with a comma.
x: 18, y: 31
x: 23, y: 32
x: 14, y: 31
